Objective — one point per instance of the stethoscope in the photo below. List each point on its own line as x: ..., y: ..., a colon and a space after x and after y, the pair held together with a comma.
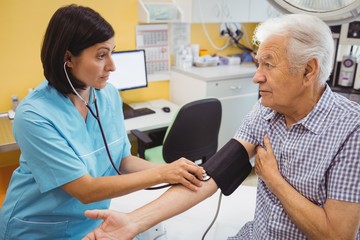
x: 97, y: 117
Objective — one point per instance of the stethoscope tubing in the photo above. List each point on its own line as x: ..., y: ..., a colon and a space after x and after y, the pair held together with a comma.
x: 97, y: 118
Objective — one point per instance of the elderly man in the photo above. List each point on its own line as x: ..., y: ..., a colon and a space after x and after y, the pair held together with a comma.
x: 307, y: 144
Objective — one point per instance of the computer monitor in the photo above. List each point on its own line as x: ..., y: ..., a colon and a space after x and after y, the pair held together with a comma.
x: 130, y: 70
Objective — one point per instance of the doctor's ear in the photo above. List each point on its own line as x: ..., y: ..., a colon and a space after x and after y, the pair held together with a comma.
x: 67, y: 57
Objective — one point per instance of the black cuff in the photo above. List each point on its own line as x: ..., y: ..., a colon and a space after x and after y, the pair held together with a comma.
x: 229, y: 166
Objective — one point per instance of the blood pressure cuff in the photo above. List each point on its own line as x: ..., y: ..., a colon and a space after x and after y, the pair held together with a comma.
x: 229, y: 166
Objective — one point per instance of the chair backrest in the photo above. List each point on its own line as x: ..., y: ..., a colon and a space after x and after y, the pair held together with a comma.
x: 194, y: 131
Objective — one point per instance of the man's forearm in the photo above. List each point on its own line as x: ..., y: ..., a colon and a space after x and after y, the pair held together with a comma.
x: 336, y: 220
x: 173, y: 202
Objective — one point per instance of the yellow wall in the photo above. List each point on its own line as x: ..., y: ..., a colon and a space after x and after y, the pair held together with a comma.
x: 23, y: 24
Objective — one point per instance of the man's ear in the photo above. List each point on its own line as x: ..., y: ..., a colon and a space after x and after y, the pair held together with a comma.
x: 311, y: 70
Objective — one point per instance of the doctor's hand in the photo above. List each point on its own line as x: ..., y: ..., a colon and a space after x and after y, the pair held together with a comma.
x: 182, y: 171
x: 266, y: 166
x: 116, y: 225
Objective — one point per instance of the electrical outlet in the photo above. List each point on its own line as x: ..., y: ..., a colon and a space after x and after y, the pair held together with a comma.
x: 230, y: 28
x: 223, y: 30
x: 157, y: 232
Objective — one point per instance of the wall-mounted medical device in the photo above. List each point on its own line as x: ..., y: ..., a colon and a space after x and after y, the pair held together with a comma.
x: 350, y: 33
x: 347, y: 71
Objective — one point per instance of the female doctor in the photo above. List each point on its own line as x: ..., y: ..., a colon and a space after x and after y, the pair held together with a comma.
x: 68, y: 129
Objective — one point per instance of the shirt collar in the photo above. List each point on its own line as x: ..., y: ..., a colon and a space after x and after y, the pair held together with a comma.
x: 313, y: 121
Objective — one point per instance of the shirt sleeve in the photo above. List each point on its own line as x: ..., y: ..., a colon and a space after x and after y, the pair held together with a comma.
x: 45, y: 153
x: 344, y: 175
x: 252, y: 126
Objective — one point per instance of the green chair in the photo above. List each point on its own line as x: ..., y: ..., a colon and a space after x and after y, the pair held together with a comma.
x: 193, y: 134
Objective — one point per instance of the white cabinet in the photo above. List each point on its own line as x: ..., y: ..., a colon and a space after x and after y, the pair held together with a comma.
x: 206, y: 11
x: 232, y: 85
x: 260, y: 10
x: 214, y: 11
x: 220, y: 10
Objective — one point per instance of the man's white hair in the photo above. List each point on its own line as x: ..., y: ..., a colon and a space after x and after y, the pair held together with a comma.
x: 308, y: 38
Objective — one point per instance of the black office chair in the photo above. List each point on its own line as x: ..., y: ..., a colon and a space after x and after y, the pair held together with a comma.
x: 193, y: 134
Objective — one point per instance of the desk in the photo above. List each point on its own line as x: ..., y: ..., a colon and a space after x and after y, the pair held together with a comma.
x: 144, y: 123
x: 235, y: 211
x: 7, y: 141
x: 159, y: 119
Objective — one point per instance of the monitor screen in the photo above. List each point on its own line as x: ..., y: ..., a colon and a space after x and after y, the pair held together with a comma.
x: 130, y: 70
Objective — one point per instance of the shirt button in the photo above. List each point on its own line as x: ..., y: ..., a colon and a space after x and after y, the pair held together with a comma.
x: 275, y: 216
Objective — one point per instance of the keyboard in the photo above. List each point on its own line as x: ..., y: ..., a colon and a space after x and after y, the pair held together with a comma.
x: 129, y: 112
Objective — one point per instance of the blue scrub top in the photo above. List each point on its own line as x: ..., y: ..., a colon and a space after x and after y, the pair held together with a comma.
x: 57, y: 147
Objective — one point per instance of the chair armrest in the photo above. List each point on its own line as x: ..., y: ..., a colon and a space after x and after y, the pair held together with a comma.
x: 143, y: 141
x: 141, y: 136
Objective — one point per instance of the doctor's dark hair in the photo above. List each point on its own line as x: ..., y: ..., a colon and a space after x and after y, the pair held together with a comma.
x: 72, y: 28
